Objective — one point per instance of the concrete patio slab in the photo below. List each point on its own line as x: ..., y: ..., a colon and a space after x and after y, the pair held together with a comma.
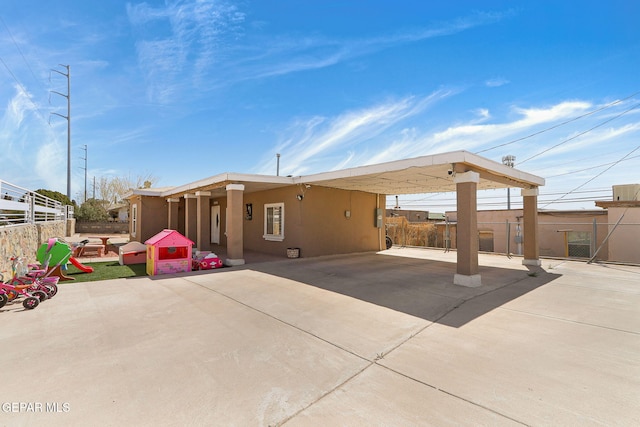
x: 364, y: 339
x: 348, y: 323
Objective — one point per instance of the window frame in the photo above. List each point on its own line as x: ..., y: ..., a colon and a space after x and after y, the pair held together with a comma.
x: 134, y: 219
x: 273, y: 237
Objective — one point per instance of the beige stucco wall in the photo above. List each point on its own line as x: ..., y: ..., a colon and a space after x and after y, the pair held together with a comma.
x: 153, y: 217
x: 550, y: 228
x: 624, y: 244
x: 495, y: 222
x: 317, y: 224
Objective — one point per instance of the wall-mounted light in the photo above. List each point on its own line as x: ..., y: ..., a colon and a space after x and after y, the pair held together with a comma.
x: 300, y: 197
x: 249, y: 211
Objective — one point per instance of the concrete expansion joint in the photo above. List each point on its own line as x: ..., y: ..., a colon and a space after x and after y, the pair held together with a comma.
x: 455, y: 396
x: 278, y: 319
x: 328, y: 393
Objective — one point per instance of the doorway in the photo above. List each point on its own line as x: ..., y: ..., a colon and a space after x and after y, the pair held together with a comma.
x: 215, y: 224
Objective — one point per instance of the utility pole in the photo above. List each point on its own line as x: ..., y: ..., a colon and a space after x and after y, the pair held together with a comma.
x: 68, y: 119
x: 86, y: 155
x: 509, y: 161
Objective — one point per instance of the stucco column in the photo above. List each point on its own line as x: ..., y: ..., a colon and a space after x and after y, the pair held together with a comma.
x: 467, y: 230
x: 191, y: 217
x: 203, y: 221
x: 530, y: 219
x: 173, y: 205
x: 235, y: 215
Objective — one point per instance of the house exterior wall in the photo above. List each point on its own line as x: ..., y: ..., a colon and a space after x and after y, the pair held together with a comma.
x: 317, y: 224
x: 624, y: 245
x: 553, y: 227
x: 152, y: 217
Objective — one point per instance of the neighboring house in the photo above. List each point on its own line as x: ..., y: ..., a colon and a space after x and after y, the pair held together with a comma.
x: 411, y: 215
x: 328, y: 213
x: 119, y: 212
x: 624, y: 223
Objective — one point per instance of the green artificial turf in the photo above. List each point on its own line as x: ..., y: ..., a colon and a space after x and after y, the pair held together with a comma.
x: 106, y: 271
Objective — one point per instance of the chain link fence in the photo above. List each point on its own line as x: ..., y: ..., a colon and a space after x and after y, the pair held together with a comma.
x: 597, y: 239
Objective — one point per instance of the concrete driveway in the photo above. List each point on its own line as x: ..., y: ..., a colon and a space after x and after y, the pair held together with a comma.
x: 365, y: 339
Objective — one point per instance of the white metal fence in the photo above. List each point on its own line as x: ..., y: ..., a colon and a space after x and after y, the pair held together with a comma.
x: 21, y: 206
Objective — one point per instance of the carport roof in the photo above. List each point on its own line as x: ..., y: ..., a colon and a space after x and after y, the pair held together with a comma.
x: 425, y: 174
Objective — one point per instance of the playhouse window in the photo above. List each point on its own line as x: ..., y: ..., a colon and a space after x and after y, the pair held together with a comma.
x: 173, y: 252
x: 274, y: 222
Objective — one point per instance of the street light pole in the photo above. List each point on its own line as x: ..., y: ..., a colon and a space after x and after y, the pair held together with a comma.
x: 509, y: 161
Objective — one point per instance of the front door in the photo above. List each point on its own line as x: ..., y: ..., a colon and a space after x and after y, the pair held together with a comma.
x: 215, y: 224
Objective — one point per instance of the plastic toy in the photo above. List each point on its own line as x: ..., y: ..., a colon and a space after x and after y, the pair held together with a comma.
x: 58, y: 252
x: 206, y: 261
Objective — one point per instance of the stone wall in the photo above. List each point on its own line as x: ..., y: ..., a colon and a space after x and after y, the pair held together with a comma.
x: 24, y: 240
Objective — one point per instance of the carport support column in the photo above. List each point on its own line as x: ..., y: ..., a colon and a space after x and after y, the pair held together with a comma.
x: 173, y: 213
x: 203, y: 221
x: 530, y: 214
x: 234, y: 214
x: 190, y: 217
x: 467, y: 230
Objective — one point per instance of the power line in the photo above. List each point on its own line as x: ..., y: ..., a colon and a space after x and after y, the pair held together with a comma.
x: 586, y: 169
x: 24, y: 90
x: 428, y: 198
x: 588, y: 181
x: 18, y: 47
x: 559, y: 124
x: 580, y: 134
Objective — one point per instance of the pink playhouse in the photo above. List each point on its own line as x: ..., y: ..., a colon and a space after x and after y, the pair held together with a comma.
x: 168, y: 252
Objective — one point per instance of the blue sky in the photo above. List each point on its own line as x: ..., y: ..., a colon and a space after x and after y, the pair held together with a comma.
x: 187, y: 89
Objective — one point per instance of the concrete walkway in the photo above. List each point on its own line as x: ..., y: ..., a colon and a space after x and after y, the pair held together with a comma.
x: 365, y: 339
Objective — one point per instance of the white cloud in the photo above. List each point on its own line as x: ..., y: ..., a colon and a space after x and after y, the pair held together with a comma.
x: 199, y: 48
x: 178, y: 42
x: 311, y: 144
x: 368, y: 136
x: 29, y: 145
x: 496, y: 82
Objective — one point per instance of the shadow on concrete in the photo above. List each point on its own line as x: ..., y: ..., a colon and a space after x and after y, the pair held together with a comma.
x: 419, y: 287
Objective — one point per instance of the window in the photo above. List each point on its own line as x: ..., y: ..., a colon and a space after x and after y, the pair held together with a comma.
x: 579, y: 244
x: 274, y: 222
x: 134, y: 219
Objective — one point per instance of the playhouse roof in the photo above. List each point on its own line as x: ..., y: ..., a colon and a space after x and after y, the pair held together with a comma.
x: 168, y: 238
